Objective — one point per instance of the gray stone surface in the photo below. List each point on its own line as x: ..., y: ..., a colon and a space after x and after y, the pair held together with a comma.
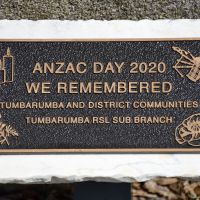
x: 99, y: 9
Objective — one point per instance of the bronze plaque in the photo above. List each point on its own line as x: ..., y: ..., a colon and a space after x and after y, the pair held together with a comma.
x: 100, y: 95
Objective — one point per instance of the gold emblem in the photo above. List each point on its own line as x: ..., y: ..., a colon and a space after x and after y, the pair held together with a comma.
x: 189, y: 63
x: 189, y: 131
x: 6, y: 131
x: 7, y: 68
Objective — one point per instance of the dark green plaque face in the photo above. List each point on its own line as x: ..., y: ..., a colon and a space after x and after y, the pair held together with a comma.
x: 100, y: 96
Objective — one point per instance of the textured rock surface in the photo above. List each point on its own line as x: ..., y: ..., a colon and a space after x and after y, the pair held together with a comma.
x: 90, y: 9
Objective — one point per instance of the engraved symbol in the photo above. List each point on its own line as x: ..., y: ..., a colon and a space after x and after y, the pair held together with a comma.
x: 189, y: 131
x: 6, y: 131
x: 187, y: 61
x: 7, y: 68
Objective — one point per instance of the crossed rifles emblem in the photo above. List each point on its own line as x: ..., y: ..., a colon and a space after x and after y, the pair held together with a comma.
x: 187, y: 61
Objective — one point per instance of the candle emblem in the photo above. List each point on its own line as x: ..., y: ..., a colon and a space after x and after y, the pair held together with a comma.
x: 2, y: 73
x: 7, y: 68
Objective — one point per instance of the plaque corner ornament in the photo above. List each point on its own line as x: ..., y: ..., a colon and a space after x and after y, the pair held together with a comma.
x: 189, y: 131
x: 187, y: 61
x: 6, y: 131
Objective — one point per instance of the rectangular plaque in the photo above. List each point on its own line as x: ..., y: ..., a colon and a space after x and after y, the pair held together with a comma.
x: 123, y: 95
